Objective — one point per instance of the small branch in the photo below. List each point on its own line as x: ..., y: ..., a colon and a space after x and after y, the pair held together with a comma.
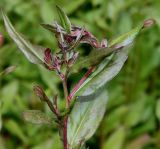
x: 79, y: 84
x: 43, y: 97
x: 52, y: 107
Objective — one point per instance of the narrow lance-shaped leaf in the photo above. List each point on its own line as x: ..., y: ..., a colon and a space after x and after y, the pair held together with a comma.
x: 65, y: 22
x: 129, y: 37
x: 15, y: 129
x: 95, y: 58
x: 36, y: 117
x: 114, y: 45
x: 53, y: 27
x: 89, y: 104
x: 126, y: 38
x: 108, y: 73
x: 49, y: 27
x: 89, y: 75
x: 79, y: 118
x: 121, y: 43
x: 98, y: 55
x: 35, y: 54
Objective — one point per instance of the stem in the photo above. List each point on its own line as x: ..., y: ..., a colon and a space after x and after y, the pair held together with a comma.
x: 65, y: 92
x: 65, y: 133
x: 65, y: 88
x: 78, y: 85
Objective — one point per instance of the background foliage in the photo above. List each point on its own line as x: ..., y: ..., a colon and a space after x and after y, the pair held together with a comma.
x: 132, y: 118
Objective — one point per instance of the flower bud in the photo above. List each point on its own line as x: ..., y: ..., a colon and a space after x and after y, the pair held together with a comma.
x: 148, y: 23
x: 39, y: 92
x: 48, y: 56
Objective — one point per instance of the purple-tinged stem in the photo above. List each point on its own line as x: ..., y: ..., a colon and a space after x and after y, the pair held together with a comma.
x: 75, y: 89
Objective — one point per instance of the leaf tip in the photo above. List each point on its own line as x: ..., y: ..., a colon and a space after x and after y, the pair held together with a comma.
x: 65, y: 22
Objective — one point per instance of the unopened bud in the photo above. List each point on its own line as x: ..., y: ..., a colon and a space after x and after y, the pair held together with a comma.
x: 40, y: 92
x: 148, y: 23
x: 48, y: 56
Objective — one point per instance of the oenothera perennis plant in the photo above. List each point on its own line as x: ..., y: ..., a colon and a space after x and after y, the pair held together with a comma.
x: 86, y: 102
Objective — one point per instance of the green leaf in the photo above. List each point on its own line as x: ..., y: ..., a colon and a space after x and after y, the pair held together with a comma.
x: 134, y: 114
x: 0, y: 115
x: 36, y: 117
x: 116, y: 139
x: 95, y: 58
x: 65, y: 22
x: 15, y: 129
x: 35, y: 54
x: 96, y: 70
x: 49, y: 27
x: 126, y: 38
x: 114, y: 45
x: 9, y: 99
x: 118, y: 60
x: 85, y: 118
x: 107, y: 74
x: 158, y: 109
x: 114, y: 119
x: 129, y: 37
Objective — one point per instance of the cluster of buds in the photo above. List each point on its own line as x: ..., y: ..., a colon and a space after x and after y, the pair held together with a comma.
x: 68, y: 37
x: 69, y: 41
x: 53, y: 62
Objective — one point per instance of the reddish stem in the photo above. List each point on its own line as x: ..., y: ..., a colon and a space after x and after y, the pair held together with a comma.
x: 65, y: 133
x: 65, y: 88
x: 75, y: 89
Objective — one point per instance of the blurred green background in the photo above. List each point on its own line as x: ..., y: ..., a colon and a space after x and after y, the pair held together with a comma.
x: 132, y: 119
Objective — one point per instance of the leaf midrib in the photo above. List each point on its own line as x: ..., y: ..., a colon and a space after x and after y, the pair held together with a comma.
x: 80, y: 125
